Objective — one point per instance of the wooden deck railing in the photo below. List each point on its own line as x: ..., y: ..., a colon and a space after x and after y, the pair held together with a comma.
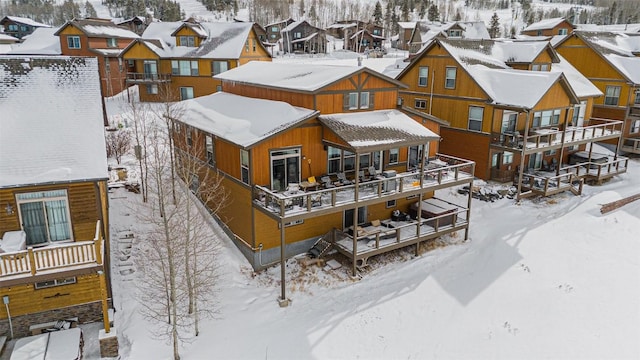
x: 441, y: 170
x: 597, y: 129
x: 54, y: 257
x: 147, y: 78
x: 631, y: 145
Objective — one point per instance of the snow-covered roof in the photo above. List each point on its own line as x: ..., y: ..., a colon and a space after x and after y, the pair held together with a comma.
x: 305, y: 38
x: 26, y: 21
x: 612, y: 42
x: 107, y: 52
x: 62, y: 138
x: 99, y: 28
x: 407, y: 24
x: 629, y: 66
x: 474, y: 29
x: 505, y: 86
x: 628, y: 28
x: 223, y: 40
x: 341, y: 26
x: 488, y: 51
x: 544, y: 24
x: 242, y: 120
x: 42, y: 41
x: 363, y: 130
x: 301, y: 77
x: 279, y: 22
x: 582, y: 86
x: 4, y: 38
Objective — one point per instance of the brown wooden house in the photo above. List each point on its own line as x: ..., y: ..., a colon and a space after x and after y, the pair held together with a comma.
x: 549, y: 27
x: 274, y: 30
x: 54, y: 222
x: 611, y: 62
x: 514, y: 132
x: 103, y: 39
x: 19, y: 27
x: 402, y: 40
x: 177, y: 60
x: 308, y: 150
x: 303, y: 38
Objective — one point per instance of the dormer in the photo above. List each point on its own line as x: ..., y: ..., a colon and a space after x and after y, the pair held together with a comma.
x: 189, y: 34
x: 455, y: 31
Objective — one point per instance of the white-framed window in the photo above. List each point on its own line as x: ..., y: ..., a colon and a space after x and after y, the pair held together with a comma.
x: 364, y: 100
x: 637, y: 98
x: 220, y: 67
x: 391, y: 204
x: 297, y: 35
x: 450, y: 78
x: 612, y: 95
x: 187, y: 40
x: 507, y: 158
x: 562, y: 31
x: 420, y: 103
x: 112, y: 42
x: 273, y: 36
x: 255, y: 44
x: 152, y: 89
x: 540, y: 67
x: 546, y: 117
x: 494, y: 160
x: 393, y: 156
x: 184, y: 67
x: 476, y: 114
x: 353, y: 101
x: 549, y: 152
x: 209, y: 146
x: 423, y: 75
x: 55, y: 282
x: 73, y: 42
x: 635, y: 127
x: 45, y: 216
x: 244, y: 166
x: 334, y: 160
x: 455, y: 33
x: 186, y: 92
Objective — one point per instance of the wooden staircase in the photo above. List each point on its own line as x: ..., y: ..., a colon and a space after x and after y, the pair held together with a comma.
x: 322, y: 246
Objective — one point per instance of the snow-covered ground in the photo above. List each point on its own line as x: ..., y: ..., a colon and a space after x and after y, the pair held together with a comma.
x: 545, y: 278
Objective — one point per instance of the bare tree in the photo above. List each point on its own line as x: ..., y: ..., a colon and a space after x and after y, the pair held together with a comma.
x: 141, y: 116
x: 118, y: 143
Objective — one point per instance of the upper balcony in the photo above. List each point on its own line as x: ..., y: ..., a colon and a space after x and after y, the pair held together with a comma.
x: 26, y: 264
x: 549, y: 138
x: 147, y: 78
x: 440, y: 172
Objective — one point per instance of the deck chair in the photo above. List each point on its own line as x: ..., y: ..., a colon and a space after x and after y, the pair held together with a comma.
x: 362, y: 177
x: 326, y: 182
x: 372, y: 171
x: 554, y: 163
x: 343, y: 179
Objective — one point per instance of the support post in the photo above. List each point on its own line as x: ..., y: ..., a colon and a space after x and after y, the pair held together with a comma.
x: 283, y: 301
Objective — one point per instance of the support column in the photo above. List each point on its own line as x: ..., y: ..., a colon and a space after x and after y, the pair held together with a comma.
x: 283, y: 301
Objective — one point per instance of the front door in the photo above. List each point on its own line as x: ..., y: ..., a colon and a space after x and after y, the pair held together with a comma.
x: 285, y: 168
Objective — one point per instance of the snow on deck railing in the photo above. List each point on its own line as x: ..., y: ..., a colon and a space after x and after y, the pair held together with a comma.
x: 441, y: 169
x: 57, y: 256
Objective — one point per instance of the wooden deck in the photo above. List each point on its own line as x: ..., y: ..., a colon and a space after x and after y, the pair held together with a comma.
x: 631, y: 145
x: 446, y: 172
x: 52, y: 258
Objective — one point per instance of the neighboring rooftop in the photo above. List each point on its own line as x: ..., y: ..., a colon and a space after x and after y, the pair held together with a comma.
x: 544, y: 24
x: 61, y: 139
x: 100, y: 28
x: 42, y: 41
x: 23, y: 20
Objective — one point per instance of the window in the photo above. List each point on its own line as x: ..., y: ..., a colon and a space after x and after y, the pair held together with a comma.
x: 45, y: 216
x: 450, y: 79
x: 73, y: 42
x: 637, y: 100
x: 353, y: 101
x: 391, y: 204
x: 274, y: 29
x: 112, y: 42
x: 56, y: 282
x: 131, y: 63
x: 562, y: 31
x: 13, y: 27
x: 494, y: 160
x: 297, y: 35
x: 184, y: 67
x: 420, y: 104
x: 475, y: 118
x: 423, y: 75
x: 220, y: 67
x: 152, y: 89
x: 377, y: 32
x: 348, y: 161
x: 185, y: 40
x: 254, y: 44
x: 273, y: 36
x: 549, y: 152
x: 393, y: 155
x: 540, y: 67
x: 285, y: 168
x: 612, y: 94
x: 577, y: 119
x: 246, y: 46
x: 210, y: 150
x: 334, y: 161
x: 244, y: 166
x: 218, y: 87
x: 364, y: 100
x: 635, y: 127
x: 348, y: 217
x: 507, y: 157
x: 186, y: 93
x: 415, y: 155
x: 555, y: 117
x: 546, y: 118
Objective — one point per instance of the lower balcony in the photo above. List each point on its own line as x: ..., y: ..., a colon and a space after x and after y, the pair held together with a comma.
x: 32, y: 262
x: 146, y: 78
x: 631, y: 145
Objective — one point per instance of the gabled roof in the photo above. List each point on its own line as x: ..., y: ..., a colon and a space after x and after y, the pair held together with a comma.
x: 407, y: 24
x: 628, y: 66
x: 285, y: 21
x: 582, y: 86
x: 506, y: 51
x: 546, y: 24
x: 99, y: 28
x: 62, y: 138
x: 364, y: 31
x: 376, y: 130
x: 612, y: 42
x: 242, y: 120
x: 627, y: 28
x: 23, y: 20
x: 295, y: 24
x: 298, y: 77
x: 195, y: 27
x: 223, y: 40
x: 42, y: 41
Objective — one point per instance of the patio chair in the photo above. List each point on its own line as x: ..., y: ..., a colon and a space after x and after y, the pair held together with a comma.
x: 326, y: 182
x: 362, y: 177
x: 342, y: 178
x: 372, y: 171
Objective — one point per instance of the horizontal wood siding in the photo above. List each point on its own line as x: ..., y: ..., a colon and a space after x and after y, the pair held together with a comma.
x: 84, y: 206
x: 295, y: 99
x: 25, y: 299
x: 609, y: 112
x: 467, y: 145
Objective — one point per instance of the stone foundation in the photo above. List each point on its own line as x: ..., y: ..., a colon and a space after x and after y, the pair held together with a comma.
x: 108, y: 343
x: 86, y: 313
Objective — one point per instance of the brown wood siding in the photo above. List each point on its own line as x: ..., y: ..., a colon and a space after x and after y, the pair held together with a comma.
x: 296, y: 99
x: 84, y: 206
x: 550, y: 32
x: 556, y: 97
x: 237, y: 213
x: 25, y: 299
x: 228, y: 158
x: 139, y: 52
x: 467, y: 145
x: 607, y: 112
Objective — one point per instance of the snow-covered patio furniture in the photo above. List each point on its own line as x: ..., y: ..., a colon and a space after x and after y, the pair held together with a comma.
x: 13, y: 241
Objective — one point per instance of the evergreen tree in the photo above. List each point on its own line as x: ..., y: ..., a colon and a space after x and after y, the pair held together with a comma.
x: 377, y: 13
x: 494, y: 26
x: 89, y: 10
x: 301, y: 10
x: 405, y: 10
x: 433, y: 14
x: 388, y: 19
x: 313, y: 15
x: 458, y: 16
x: 423, y: 10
